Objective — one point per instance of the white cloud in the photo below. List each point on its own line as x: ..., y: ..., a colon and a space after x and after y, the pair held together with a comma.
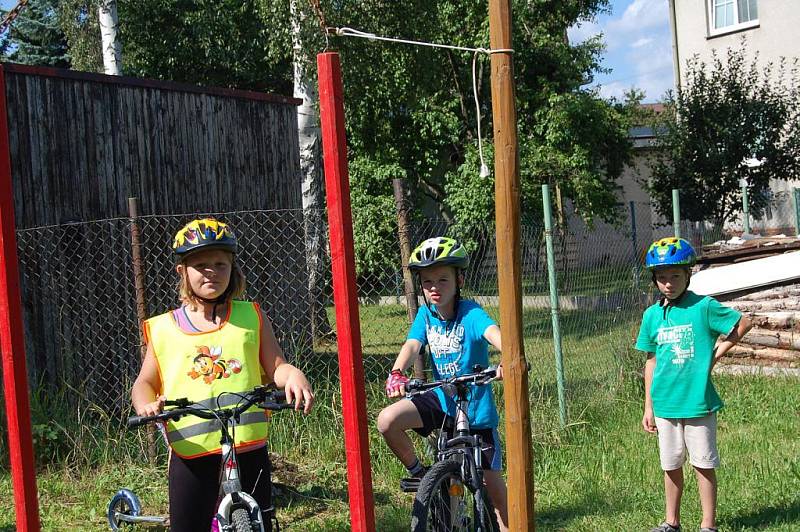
x: 643, y: 14
x: 638, y: 21
x: 583, y: 31
x: 638, y: 49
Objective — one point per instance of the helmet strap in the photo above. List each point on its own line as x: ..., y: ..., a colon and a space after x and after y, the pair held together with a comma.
x: 665, y: 302
x: 219, y: 300
x: 456, y: 299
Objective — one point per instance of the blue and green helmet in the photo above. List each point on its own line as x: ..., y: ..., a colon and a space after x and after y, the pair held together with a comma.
x: 671, y: 251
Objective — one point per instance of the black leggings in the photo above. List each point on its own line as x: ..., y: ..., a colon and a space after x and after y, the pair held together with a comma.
x: 194, y: 487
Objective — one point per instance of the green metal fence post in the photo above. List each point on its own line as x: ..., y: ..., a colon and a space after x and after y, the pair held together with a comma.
x: 634, y: 246
x: 745, y: 209
x: 676, y: 212
x: 551, y: 274
x: 796, y: 196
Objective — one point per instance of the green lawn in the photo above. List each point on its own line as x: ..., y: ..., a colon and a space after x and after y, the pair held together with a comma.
x: 600, y: 473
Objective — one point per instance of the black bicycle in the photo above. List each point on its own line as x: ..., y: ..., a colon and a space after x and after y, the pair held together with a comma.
x: 237, y: 510
x: 451, y: 496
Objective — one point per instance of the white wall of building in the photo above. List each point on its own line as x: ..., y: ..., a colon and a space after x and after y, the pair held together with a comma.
x: 774, y: 36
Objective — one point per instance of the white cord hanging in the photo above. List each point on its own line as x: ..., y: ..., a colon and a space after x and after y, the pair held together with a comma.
x: 484, y: 172
x: 350, y: 32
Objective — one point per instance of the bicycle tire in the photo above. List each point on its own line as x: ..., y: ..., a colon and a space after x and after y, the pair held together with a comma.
x: 240, y: 520
x: 431, y: 513
x: 490, y: 523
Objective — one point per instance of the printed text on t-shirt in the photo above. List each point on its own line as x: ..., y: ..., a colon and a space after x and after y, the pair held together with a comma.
x: 681, y: 341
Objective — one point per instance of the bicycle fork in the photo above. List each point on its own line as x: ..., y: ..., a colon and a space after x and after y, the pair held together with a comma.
x: 234, y: 497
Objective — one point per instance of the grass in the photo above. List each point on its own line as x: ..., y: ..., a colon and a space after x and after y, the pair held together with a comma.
x: 601, y: 472
x: 599, y: 280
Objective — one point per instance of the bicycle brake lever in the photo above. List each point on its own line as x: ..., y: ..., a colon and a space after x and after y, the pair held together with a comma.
x: 183, y: 402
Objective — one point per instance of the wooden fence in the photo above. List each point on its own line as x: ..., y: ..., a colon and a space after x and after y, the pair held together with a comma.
x: 80, y: 145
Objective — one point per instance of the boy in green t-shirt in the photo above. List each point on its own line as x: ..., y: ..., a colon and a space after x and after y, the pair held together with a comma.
x: 679, y: 335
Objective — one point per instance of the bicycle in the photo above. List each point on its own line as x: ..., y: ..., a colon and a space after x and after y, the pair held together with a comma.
x: 451, y: 495
x: 237, y: 510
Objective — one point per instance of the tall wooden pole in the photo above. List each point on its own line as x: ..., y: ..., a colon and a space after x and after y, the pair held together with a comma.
x: 507, y: 207
x: 137, y: 264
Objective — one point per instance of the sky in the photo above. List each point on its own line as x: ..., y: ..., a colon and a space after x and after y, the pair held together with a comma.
x: 638, y: 48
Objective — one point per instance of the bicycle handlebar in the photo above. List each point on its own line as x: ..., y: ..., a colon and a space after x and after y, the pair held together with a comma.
x: 480, y: 377
x: 260, y: 395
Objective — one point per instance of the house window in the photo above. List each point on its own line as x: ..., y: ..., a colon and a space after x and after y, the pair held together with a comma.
x: 732, y: 15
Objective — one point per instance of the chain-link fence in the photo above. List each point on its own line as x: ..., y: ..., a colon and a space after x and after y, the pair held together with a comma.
x: 81, y: 315
x: 80, y: 298
x: 779, y: 217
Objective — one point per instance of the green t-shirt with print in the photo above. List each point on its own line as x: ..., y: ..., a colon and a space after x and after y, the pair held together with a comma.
x: 682, y: 336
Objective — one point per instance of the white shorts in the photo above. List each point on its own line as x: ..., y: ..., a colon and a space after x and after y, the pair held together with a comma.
x: 697, y: 435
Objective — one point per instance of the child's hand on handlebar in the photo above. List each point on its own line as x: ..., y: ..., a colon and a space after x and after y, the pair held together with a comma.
x: 298, y: 391
x: 152, y: 408
x: 396, y: 384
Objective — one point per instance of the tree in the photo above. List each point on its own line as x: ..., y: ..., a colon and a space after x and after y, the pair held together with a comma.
x: 410, y: 111
x: 224, y: 43
x: 80, y: 23
x: 411, y: 114
x: 725, y: 114
x: 35, y: 37
x: 111, y: 48
x: 313, y: 187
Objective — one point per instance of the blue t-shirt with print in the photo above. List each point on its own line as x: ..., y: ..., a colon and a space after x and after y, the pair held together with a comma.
x: 456, y: 346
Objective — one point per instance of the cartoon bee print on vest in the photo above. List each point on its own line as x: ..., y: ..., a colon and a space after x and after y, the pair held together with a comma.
x: 210, y: 366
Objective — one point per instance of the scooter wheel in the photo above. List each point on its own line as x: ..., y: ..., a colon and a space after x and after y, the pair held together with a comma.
x: 124, y: 502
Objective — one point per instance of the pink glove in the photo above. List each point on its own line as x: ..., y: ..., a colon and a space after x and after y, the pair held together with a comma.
x: 395, y: 380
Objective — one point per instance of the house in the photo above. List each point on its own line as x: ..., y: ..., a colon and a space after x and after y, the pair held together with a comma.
x: 701, y: 26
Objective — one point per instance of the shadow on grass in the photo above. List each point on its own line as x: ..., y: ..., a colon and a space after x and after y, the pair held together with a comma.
x: 316, y: 496
x: 785, y: 513
x: 8, y: 528
x: 561, y: 517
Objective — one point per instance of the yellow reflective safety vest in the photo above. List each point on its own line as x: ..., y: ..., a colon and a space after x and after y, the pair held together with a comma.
x: 200, y: 366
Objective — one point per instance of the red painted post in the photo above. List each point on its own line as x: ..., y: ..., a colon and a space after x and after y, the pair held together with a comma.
x: 348, y: 330
x: 12, y: 345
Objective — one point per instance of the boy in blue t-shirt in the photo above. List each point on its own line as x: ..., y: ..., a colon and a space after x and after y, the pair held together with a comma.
x: 679, y: 334
x: 457, y: 333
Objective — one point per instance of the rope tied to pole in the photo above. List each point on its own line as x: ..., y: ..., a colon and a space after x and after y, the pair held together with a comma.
x: 11, y: 14
x: 350, y: 32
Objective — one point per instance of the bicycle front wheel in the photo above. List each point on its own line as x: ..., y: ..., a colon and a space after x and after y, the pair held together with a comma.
x: 445, y: 504
x: 241, y: 521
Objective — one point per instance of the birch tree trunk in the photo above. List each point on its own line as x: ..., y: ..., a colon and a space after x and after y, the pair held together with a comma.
x: 112, y: 49
x: 313, y: 187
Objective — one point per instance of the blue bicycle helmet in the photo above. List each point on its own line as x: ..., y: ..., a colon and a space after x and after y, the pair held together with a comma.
x: 671, y: 251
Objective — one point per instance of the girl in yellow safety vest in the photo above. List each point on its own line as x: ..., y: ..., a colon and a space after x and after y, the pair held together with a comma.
x: 212, y: 343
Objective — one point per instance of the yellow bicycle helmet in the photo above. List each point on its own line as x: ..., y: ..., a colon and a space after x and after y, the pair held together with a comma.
x: 204, y: 233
